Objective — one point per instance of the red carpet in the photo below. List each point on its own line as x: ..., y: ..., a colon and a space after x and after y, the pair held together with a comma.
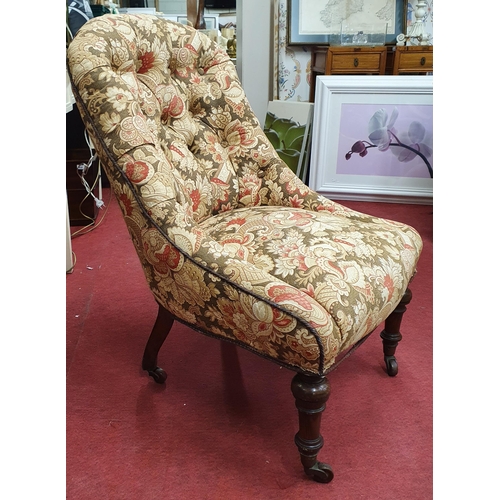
x: 223, y: 425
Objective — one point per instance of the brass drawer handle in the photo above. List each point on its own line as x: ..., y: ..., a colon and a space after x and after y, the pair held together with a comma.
x: 356, y: 62
x: 422, y: 61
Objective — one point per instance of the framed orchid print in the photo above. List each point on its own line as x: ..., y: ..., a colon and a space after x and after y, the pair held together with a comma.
x: 373, y: 138
x: 312, y: 22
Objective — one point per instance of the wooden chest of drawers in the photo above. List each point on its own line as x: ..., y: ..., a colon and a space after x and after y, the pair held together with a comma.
x: 388, y: 60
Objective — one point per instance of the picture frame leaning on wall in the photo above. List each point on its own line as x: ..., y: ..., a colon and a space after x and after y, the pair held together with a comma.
x: 372, y: 138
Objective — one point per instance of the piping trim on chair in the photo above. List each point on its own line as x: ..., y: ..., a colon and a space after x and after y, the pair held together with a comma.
x: 299, y: 320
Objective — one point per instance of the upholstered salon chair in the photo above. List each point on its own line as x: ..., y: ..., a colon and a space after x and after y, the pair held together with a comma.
x: 232, y: 243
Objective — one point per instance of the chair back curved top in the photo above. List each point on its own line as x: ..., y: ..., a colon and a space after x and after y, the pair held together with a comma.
x: 231, y: 241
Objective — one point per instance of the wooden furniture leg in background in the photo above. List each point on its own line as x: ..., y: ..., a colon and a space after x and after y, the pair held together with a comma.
x: 161, y: 329
x: 391, y: 335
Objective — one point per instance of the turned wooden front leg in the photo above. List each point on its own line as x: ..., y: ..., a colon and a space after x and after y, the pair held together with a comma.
x: 391, y: 335
x: 311, y: 394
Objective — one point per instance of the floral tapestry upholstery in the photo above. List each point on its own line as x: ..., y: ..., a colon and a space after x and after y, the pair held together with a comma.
x: 232, y: 243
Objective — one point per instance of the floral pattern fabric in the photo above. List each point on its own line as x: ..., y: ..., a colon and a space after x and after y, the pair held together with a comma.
x: 230, y: 240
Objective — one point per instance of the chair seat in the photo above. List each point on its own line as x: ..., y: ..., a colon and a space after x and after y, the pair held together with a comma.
x: 341, y: 275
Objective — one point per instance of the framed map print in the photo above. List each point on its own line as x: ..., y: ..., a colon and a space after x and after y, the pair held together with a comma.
x: 312, y: 22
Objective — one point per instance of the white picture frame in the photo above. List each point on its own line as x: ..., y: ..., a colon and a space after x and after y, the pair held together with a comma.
x: 211, y: 22
x: 344, y: 107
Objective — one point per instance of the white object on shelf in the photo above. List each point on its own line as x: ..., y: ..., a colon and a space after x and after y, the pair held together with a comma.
x: 137, y: 10
x: 70, y: 98
x: 416, y: 34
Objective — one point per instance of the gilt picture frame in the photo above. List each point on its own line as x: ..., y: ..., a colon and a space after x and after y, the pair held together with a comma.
x: 373, y: 138
x: 307, y: 24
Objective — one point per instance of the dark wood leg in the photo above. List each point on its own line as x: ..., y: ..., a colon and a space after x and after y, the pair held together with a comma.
x: 311, y: 394
x: 391, y: 334
x: 161, y: 329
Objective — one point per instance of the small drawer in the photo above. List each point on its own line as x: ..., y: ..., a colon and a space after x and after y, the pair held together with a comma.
x: 355, y: 62
x: 415, y: 61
